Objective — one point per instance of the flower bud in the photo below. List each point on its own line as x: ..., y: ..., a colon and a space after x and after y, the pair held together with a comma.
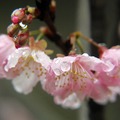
x: 33, y: 11
x: 29, y: 18
x: 15, y: 20
x: 11, y: 30
x: 17, y: 15
x: 23, y: 37
x: 53, y: 6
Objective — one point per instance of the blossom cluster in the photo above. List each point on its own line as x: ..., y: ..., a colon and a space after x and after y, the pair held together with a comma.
x: 69, y: 79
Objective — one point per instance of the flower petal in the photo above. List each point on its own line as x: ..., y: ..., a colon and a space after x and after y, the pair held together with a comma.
x: 25, y: 82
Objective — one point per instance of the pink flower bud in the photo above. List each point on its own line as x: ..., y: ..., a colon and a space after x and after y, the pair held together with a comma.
x: 12, y: 29
x: 17, y: 15
x: 23, y: 37
x: 29, y: 18
x: 15, y: 20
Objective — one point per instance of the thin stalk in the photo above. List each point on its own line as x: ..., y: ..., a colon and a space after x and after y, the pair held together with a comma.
x: 39, y: 37
x: 34, y: 32
x: 80, y: 45
x: 89, y: 40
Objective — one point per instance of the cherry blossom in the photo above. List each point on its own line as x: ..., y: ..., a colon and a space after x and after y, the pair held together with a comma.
x: 25, y: 66
x: 112, y: 56
x: 70, y: 79
x: 77, y: 75
x: 66, y: 77
x: 7, y: 46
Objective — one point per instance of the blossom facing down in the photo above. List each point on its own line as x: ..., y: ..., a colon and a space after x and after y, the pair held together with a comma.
x: 7, y: 46
x: 98, y: 70
x: 76, y: 74
x: 26, y: 67
x: 66, y: 77
x: 112, y: 56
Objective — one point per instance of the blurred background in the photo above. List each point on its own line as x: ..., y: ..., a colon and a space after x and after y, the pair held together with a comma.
x: 99, y: 19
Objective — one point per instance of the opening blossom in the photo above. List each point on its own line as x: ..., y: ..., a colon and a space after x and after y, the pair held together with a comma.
x: 7, y: 46
x: 60, y: 81
x: 26, y: 66
x: 77, y: 76
x: 112, y: 56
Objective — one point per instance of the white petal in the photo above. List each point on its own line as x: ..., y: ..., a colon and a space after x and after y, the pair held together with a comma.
x: 41, y: 57
x: 14, y: 57
x: 72, y: 101
x: 25, y: 82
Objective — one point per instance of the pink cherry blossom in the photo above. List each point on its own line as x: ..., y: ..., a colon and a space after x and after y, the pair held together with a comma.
x: 27, y: 67
x: 112, y: 56
x: 98, y: 70
x: 77, y: 74
x: 7, y: 46
x: 65, y: 77
x: 112, y: 78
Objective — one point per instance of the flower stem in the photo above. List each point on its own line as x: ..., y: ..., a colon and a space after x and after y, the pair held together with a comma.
x: 39, y: 37
x: 89, y: 40
x: 80, y: 45
x: 34, y: 32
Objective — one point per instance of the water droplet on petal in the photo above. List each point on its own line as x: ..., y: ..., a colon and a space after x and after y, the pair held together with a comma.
x: 56, y: 60
x: 65, y: 66
x: 96, y: 80
x: 25, y: 53
x: 57, y: 71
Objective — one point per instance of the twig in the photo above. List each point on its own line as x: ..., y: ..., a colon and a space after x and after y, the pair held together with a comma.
x: 43, y: 6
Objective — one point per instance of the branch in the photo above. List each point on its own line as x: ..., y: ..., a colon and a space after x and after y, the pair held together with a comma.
x: 48, y: 16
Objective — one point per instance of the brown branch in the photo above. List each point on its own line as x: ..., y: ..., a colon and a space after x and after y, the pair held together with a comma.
x: 47, y: 17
